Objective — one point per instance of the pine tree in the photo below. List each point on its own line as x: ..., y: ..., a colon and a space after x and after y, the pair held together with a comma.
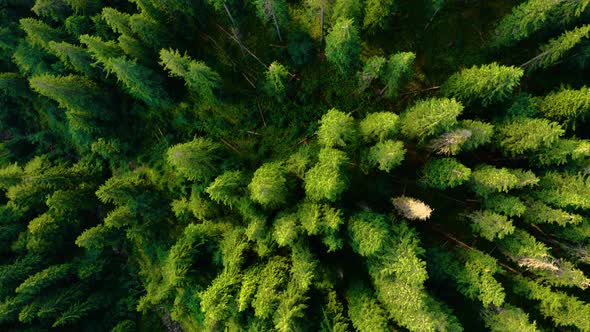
x: 337, y: 129
x: 377, y: 13
x: 567, y: 106
x: 397, y: 71
x: 268, y: 186
x: 557, y: 48
x: 343, y: 46
x: 276, y: 78
x: 522, y: 135
x: 327, y: 179
x: 386, y: 155
x: 197, y: 75
x: 195, y: 160
x: 379, y: 126
x: 445, y: 173
x: 486, y: 84
x: 429, y: 117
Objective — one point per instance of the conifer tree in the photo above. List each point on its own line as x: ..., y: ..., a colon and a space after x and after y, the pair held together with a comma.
x: 377, y: 14
x: 197, y: 75
x: 429, y: 117
x: 486, y: 84
x: 343, y: 46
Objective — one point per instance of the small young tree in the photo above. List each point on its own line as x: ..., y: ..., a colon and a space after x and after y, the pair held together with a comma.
x: 276, y: 81
x: 343, y: 46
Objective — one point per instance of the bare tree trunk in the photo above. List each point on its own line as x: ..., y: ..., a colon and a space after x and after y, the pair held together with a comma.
x: 274, y: 18
x: 231, y: 18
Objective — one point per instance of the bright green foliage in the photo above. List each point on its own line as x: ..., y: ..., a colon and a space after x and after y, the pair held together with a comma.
x: 397, y: 71
x: 564, y: 151
x: 327, y: 179
x: 386, y: 155
x: 481, y: 134
x: 445, y: 173
x: 276, y: 80
x: 37, y: 282
x: 269, y: 186
x: 117, y: 20
x: 522, y: 135
x: 337, y: 129
x: 567, y: 105
x: 473, y: 271
x: 38, y: 32
x: 368, y: 233
x: 477, y: 279
x: 195, y: 160
x: 565, y: 190
x: 487, y: 179
x: 286, y: 230
x: 430, y: 117
x: 509, y: 318
x: 557, y: 48
x: 490, y: 225
x: 524, y: 249
x: 508, y: 205
x: 539, y: 213
x: 343, y: 46
x: 379, y: 126
x: 486, y: 84
x: 377, y: 14
x: 197, y: 75
x: 525, y: 19
x: 562, y: 309
x: 364, y: 310
x: 226, y: 188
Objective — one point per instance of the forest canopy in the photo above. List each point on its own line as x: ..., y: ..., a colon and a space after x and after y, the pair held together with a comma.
x: 294, y: 165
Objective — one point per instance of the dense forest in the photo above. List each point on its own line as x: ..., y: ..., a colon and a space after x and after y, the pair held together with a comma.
x: 294, y: 165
